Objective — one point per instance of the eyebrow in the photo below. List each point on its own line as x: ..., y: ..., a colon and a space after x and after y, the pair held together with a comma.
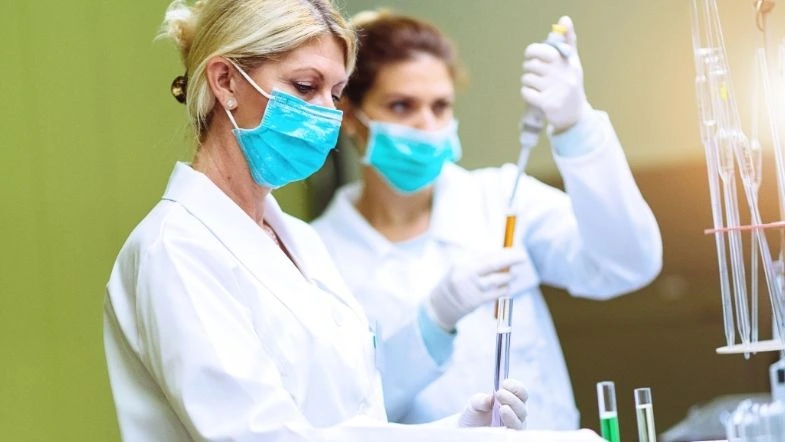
x: 318, y: 73
x: 401, y: 95
x: 309, y: 70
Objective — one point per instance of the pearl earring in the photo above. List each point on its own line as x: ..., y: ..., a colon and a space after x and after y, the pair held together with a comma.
x: 231, y: 103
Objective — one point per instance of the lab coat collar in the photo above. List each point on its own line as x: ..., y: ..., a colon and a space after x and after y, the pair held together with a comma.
x: 451, y: 221
x: 250, y: 245
x: 362, y: 231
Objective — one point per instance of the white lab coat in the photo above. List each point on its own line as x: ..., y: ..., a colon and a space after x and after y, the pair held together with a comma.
x: 598, y: 240
x: 211, y: 333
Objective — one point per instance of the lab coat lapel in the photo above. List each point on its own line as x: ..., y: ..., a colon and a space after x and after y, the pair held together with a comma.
x: 456, y: 223
x: 320, y: 274
x: 243, y: 238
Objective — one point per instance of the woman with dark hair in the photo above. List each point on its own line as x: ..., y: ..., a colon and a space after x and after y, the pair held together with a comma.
x: 418, y: 238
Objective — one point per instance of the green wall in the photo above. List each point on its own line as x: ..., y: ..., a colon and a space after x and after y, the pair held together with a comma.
x: 89, y: 134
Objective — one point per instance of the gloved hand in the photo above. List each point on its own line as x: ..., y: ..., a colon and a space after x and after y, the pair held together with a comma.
x: 555, y: 84
x: 512, y: 400
x: 467, y: 286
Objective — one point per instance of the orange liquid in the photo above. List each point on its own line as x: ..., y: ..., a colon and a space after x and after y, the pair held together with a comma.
x: 509, y: 235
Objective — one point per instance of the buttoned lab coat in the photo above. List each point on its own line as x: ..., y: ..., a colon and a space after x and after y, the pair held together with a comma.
x: 211, y: 333
x: 598, y: 240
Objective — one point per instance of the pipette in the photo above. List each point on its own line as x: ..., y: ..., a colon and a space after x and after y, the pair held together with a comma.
x: 533, y: 120
x: 532, y: 124
x: 727, y: 147
x: 756, y: 158
x: 775, y: 289
x: 708, y: 126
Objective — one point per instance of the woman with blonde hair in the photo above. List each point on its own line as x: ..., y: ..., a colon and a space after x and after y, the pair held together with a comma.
x: 225, y: 318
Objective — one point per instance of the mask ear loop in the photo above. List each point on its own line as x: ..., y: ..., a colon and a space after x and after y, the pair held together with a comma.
x: 231, y: 118
x: 249, y: 80
x: 253, y: 85
x: 362, y: 118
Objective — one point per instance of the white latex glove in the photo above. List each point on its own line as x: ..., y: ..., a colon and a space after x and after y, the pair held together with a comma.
x: 467, y: 286
x: 555, y: 84
x: 512, y: 398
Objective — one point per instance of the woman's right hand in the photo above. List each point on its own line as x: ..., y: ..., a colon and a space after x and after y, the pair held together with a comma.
x: 511, y: 397
x: 467, y: 286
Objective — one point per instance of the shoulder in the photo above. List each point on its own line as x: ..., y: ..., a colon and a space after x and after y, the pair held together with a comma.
x: 169, y: 234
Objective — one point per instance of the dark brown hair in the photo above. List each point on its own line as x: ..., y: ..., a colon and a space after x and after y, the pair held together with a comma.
x: 384, y: 38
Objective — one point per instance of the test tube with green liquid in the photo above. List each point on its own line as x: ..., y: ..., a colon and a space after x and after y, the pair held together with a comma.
x: 609, y: 418
x: 644, y: 411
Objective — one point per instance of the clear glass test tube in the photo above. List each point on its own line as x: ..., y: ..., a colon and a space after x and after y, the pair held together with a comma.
x: 644, y: 412
x: 502, y: 367
x: 609, y: 418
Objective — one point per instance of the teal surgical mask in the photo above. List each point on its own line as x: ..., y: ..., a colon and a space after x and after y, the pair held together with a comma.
x: 409, y: 159
x: 291, y: 142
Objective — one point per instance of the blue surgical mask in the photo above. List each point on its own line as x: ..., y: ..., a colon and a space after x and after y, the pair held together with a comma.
x: 291, y: 142
x: 409, y: 159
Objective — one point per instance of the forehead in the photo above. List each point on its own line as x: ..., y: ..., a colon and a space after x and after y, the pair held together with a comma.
x: 326, y: 54
x: 423, y: 76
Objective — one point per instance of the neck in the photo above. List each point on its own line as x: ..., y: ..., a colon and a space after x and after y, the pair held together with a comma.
x: 397, y: 217
x: 220, y: 158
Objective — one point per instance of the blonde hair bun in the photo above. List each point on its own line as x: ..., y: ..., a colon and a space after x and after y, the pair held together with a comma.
x: 179, y: 24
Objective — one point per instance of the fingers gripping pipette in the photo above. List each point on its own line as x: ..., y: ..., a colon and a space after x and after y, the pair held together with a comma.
x: 532, y: 124
x: 533, y: 120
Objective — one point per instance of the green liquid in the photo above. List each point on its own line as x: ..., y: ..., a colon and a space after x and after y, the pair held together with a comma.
x: 609, y: 428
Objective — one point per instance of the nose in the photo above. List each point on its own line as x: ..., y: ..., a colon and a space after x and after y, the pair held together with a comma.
x: 325, y: 99
x: 426, y: 119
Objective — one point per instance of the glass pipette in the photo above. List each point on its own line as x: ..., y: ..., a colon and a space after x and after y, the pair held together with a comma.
x: 780, y: 179
x: 756, y: 158
x: 725, y: 145
x: 532, y: 124
x: 775, y: 289
x: 726, y: 118
x: 757, y: 161
x: 727, y: 137
x: 708, y: 126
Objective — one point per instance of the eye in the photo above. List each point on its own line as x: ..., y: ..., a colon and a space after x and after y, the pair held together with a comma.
x: 336, y: 99
x: 303, y: 88
x: 440, y: 107
x: 399, y: 107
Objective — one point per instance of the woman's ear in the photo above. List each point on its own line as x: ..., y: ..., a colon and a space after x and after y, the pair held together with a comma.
x: 221, y: 79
